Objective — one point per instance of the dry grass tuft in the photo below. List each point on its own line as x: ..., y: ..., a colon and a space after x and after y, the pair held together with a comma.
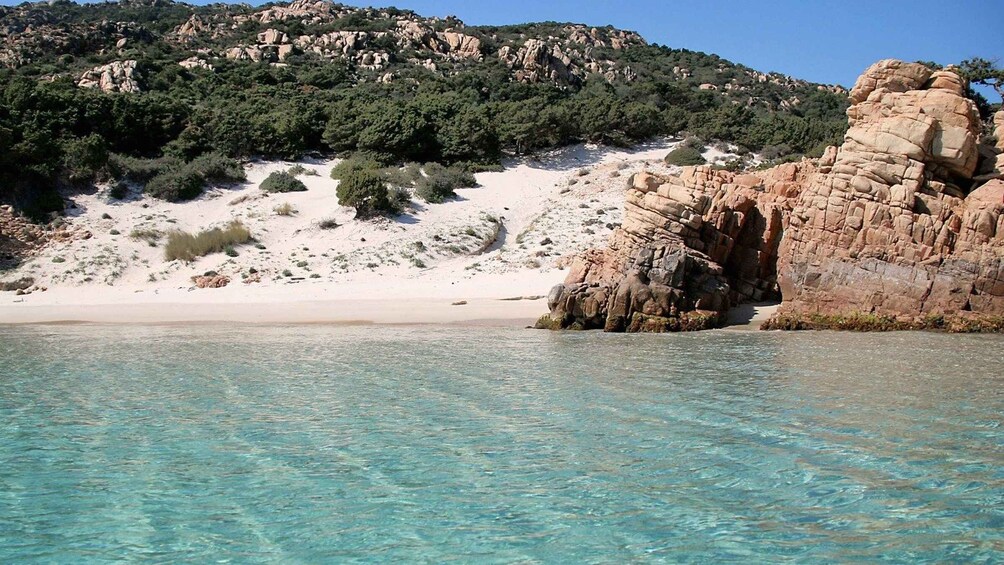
x: 186, y: 247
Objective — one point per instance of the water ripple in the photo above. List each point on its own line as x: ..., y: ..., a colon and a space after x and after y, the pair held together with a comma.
x: 310, y: 444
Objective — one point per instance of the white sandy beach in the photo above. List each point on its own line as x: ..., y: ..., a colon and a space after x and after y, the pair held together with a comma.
x: 411, y: 269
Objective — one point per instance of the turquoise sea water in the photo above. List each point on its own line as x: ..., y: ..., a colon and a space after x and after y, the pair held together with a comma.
x: 427, y: 444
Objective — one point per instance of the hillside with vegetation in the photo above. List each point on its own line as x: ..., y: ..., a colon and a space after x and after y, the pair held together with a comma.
x: 166, y: 95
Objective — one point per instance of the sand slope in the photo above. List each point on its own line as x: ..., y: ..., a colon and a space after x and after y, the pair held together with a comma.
x: 408, y: 269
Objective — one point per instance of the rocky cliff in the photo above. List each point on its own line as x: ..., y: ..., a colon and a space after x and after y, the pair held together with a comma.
x: 900, y: 227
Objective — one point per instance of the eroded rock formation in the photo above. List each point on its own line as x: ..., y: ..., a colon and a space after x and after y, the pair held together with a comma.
x: 117, y: 76
x: 895, y: 224
x: 690, y: 246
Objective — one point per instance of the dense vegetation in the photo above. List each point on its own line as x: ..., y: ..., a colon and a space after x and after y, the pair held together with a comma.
x: 54, y: 133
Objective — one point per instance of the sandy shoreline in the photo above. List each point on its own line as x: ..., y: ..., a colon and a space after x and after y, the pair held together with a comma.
x: 512, y: 300
x: 214, y: 307
x: 416, y: 311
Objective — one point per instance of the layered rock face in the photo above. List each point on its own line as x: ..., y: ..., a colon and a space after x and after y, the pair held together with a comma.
x: 892, y: 224
x: 895, y: 224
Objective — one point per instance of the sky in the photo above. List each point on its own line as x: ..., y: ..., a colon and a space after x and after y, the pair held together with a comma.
x: 827, y: 41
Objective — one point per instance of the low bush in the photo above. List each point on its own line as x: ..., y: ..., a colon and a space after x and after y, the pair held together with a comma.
x: 366, y: 191
x: 440, y: 183
x: 216, y: 168
x: 118, y: 191
x: 407, y: 175
x: 187, y: 247
x: 175, y: 185
x: 281, y: 181
x: 355, y: 164
x: 84, y: 159
x: 170, y: 179
x: 774, y: 152
x: 299, y: 170
x: 685, y: 156
x: 694, y: 142
x: 139, y: 170
x: 399, y: 197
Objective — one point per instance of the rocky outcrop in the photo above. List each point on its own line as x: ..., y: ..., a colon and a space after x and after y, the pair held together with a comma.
x: 117, y: 76
x: 536, y: 61
x: 333, y: 44
x: 895, y: 225
x: 602, y: 37
x: 459, y: 45
x: 195, y: 63
x: 305, y: 11
x: 21, y: 238
x: 690, y: 246
x: 192, y: 29
x: 273, y: 45
x: 892, y: 226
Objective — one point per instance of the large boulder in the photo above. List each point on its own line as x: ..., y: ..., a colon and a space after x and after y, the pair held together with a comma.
x: 459, y: 45
x: 667, y: 287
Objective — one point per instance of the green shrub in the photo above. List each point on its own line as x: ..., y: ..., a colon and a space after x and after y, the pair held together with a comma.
x: 139, y: 170
x: 186, y: 247
x: 170, y: 179
x: 365, y: 191
x: 298, y: 170
x: 482, y: 167
x: 354, y: 164
x: 217, y: 168
x: 281, y: 181
x: 399, y: 198
x: 84, y: 159
x: 685, y: 156
x: 175, y: 185
x: 407, y: 175
x: 440, y: 183
x: 118, y: 191
x: 775, y: 152
x: 694, y: 142
x: 434, y: 189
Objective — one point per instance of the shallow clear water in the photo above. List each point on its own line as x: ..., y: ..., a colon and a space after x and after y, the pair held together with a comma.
x: 359, y: 444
